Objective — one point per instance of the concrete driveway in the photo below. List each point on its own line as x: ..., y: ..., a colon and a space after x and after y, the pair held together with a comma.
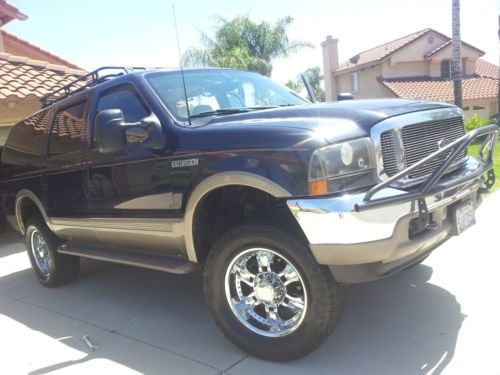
x: 441, y: 316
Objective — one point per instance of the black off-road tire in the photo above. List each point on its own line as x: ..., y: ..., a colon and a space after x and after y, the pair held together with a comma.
x: 325, y: 296
x: 64, y: 268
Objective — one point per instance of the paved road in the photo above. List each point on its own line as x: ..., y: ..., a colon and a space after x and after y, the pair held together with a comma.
x: 441, y: 316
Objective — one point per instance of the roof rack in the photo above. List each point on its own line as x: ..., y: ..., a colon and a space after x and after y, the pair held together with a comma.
x: 89, y: 80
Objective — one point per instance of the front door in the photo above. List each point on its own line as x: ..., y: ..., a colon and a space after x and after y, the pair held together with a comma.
x: 129, y: 190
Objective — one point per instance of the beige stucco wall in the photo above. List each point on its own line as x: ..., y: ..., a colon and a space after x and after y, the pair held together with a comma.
x: 489, y: 106
x: 416, y: 50
x: 369, y: 87
x: 405, y: 69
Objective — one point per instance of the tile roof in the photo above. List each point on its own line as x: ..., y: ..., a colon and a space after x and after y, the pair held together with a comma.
x: 12, y: 43
x: 441, y: 90
x: 22, y: 77
x: 381, y: 51
x: 384, y: 50
x: 487, y: 69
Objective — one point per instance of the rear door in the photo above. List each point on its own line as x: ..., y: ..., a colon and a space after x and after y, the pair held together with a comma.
x: 64, y: 180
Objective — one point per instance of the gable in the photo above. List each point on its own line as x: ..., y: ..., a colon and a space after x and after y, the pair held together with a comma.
x: 416, y: 50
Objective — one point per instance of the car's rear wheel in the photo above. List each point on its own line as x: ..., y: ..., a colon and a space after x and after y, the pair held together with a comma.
x: 52, y: 269
x: 269, y: 295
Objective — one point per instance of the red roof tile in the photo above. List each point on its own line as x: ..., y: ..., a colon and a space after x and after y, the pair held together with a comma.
x: 21, y: 77
x: 487, y: 69
x: 441, y: 90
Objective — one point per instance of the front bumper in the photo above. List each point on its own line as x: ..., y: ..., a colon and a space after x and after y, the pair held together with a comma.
x: 372, y: 229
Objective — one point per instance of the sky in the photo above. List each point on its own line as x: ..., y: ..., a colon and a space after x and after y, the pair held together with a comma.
x: 93, y: 33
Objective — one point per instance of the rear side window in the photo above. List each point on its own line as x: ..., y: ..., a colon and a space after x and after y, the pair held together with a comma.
x: 67, y: 130
x: 127, y: 100
x: 25, y: 142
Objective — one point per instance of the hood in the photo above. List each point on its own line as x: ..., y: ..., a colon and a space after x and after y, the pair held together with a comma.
x: 332, y: 121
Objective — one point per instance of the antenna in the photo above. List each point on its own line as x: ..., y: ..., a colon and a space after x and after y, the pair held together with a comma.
x: 180, y: 64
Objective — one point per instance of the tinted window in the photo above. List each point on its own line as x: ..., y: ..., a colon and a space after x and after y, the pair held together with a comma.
x: 126, y: 99
x: 67, y: 130
x: 25, y: 141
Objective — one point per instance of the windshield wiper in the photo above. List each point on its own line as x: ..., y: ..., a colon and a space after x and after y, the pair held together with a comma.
x: 221, y: 111
x: 230, y: 111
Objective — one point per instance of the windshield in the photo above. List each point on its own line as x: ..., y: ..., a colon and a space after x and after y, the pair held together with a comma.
x: 219, y: 92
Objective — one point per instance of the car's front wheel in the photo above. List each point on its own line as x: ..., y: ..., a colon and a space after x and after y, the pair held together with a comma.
x: 269, y: 295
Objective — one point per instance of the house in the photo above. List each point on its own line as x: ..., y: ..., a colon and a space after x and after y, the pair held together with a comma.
x: 416, y: 66
x: 27, y: 73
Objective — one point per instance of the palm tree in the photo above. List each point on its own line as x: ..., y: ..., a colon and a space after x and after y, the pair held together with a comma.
x: 243, y: 44
x: 456, y: 64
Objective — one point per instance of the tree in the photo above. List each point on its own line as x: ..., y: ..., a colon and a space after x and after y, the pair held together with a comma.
x: 296, y: 86
x: 314, y: 77
x: 456, y: 63
x: 243, y: 44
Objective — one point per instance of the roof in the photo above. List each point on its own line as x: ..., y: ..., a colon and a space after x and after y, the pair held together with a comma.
x: 383, y: 51
x: 379, y: 52
x: 441, y: 90
x: 487, y: 69
x: 22, y: 77
x: 9, y: 12
x: 20, y: 47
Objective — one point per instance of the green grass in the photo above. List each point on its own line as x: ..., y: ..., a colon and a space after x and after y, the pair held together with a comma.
x: 474, y: 150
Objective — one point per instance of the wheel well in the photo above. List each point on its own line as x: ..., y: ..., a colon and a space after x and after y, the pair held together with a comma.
x: 27, y: 209
x: 228, y: 206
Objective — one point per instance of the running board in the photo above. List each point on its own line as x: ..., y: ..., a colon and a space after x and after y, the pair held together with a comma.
x: 142, y: 260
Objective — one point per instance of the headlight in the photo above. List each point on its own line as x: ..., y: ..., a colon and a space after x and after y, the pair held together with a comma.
x: 343, y: 166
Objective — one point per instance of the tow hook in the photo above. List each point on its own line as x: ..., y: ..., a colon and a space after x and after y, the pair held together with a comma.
x: 421, y: 222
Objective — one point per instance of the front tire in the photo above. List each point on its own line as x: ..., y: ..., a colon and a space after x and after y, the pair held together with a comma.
x: 52, y: 269
x: 268, y: 294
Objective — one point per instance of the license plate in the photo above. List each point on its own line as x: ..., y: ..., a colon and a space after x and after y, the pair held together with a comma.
x: 464, y: 216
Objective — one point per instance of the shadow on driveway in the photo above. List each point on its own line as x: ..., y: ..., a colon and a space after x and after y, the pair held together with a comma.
x: 399, y: 325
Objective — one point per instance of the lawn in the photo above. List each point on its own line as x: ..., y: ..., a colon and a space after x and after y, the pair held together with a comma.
x: 474, y: 149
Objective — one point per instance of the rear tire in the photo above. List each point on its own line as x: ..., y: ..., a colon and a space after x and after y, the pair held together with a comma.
x: 261, y: 319
x: 52, y: 269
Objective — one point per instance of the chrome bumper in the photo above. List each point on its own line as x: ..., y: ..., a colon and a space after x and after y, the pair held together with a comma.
x: 374, y: 226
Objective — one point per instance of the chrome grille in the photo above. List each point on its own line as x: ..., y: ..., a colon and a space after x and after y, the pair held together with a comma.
x: 420, y: 140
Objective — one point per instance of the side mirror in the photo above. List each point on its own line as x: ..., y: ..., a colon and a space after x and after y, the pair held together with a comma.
x: 345, y: 96
x: 112, y: 133
x: 109, y: 131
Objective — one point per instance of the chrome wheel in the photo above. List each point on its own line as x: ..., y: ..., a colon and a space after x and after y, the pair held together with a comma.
x: 265, y: 292
x: 40, y: 251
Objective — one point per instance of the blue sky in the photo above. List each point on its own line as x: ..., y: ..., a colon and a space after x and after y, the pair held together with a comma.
x: 92, y: 33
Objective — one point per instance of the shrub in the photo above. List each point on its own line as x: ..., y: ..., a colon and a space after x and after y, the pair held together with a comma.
x: 476, y: 122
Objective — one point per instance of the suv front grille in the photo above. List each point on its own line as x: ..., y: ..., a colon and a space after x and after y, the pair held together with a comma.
x: 418, y: 141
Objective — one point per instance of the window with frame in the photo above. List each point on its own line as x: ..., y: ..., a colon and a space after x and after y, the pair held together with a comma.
x: 446, y: 69
x: 446, y: 66
x: 354, y: 82
x: 67, y: 129
x: 127, y: 100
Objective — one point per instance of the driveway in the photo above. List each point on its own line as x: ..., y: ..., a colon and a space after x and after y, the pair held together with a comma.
x: 441, y: 316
